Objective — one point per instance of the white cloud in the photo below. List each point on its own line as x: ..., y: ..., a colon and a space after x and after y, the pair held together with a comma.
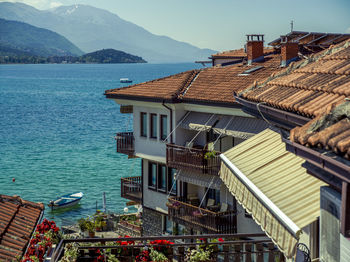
x: 39, y: 4
x: 348, y: 30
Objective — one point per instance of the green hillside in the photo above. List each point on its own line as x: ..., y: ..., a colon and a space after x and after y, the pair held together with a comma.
x: 110, y: 56
x: 18, y: 39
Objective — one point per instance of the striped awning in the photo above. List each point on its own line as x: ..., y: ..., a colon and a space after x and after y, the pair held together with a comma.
x: 202, y: 180
x: 270, y: 183
x: 198, y: 121
x: 236, y: 126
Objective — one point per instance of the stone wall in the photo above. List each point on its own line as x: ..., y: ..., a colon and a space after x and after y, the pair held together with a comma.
x: 151, y: 222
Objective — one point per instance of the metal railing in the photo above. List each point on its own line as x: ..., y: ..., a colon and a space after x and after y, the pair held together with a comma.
x: 131, y: 188
x: 231, y: 247
x: 125, y: 143
x: 193, y: 159
x: 201, y: 219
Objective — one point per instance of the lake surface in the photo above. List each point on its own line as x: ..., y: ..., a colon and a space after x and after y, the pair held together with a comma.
x: 57, y: 129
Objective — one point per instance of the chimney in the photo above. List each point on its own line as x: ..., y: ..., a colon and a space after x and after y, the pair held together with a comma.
x: 255, y: 48
x: 289, y: 51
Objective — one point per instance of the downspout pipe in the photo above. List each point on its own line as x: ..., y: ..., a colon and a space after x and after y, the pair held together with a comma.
x: 171, y: 120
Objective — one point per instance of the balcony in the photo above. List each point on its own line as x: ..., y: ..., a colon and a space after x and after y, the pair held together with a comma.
x: 201, y: 219
x: 231, y: 247
x: 192, y: 159
x: 131, y: 188
x: 125, y: 143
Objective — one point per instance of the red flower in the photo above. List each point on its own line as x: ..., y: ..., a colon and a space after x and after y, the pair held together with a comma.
x: 220, y: 239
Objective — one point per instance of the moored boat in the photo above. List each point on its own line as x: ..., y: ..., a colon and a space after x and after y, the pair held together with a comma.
x: 125, y: 80
x: 66, y: 200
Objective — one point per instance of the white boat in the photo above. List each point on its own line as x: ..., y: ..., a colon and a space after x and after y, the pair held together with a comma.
x: 125, y: 80
x: 66, y: 200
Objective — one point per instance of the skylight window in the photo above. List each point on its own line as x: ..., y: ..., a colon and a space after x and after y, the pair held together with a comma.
x: 250, y: 70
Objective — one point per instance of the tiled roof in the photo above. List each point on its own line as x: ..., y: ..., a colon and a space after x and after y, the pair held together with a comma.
x: 239, y: 53
x: 18, y: 219
x: 162, y: 88
x: 307, y: 87
x: 214, y: 84
x: 310, y: 42
x: 330, y: 131
x: 217, y: 84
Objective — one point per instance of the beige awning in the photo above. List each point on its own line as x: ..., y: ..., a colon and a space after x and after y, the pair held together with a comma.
x: 202, y: 180
x: 270, y: 183
x: 238, y: 126
x: 198, y: 121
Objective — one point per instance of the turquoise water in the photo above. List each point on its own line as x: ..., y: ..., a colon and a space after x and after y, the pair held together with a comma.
x: 57, y: 128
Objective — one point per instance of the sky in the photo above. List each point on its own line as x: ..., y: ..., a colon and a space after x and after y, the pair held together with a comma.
x: 222, y: 24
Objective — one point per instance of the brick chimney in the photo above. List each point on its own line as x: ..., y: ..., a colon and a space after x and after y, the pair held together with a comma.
x: 289, y: 51
x: 255, y: 48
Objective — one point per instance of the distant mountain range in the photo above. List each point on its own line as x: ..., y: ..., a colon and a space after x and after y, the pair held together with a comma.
x: 91, y: 29
x: 17, y: 38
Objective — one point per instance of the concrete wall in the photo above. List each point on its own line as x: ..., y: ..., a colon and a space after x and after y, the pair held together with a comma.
x: 148, y: 145
x: 151, y: 198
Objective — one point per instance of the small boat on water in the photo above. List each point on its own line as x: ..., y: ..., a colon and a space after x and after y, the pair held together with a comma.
x: 66, y: 200
x: 125, y: 80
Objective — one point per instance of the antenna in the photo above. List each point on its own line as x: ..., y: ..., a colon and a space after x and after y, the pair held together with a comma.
x: 291, y: 25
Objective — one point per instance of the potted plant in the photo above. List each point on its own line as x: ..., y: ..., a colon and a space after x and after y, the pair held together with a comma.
x: 210, y: 155
x: 90, y: 226
x: 99, y: 224
x: 198, y: 255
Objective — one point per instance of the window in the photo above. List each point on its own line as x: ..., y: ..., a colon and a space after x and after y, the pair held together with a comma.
x: 152, y: 175
x: 162, y: 178
x: 167, y: 225
x: 143, y: 118
x: 172, y: 184
x: 214, y: 194
x: 163, y: 127
x: 154, y: 126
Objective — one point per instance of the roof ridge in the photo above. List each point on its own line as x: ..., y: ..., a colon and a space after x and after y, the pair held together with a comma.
x: 187, y: 82
x: 185, y: 89
x: 298, y: 65
x: 150, y: 81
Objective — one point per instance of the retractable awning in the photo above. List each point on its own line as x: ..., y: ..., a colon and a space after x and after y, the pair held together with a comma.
x: 270, y: 183
x: 202, y: 180
x: 238, y: 126
x: 199, y: 121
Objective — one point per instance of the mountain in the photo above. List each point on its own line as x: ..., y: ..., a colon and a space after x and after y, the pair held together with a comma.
x: 92, y: 29
x: 18, y: 38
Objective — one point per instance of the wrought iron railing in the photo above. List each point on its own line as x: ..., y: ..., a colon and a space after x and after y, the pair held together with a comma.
x: 131, y: 188
x: 193, y: 159
x: 201, y: 219
x: 125, y: 143
x: 231, y: 247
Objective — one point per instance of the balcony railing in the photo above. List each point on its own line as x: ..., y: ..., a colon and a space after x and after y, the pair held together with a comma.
x: 192, y: 159
x: 131, y: 188
x: 125, y: 143
x: 201, y: 219
x: 233, y: 247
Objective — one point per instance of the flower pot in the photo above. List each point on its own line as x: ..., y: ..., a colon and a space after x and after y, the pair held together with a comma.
x: 91, y: 234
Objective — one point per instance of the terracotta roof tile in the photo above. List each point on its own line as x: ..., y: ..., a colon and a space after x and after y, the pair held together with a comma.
x: 162, y: 88
x: 18, y: 219
x: 214, y: 84
x: 309, y: 86
x: 239, y: 53
x: 330, y: 131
